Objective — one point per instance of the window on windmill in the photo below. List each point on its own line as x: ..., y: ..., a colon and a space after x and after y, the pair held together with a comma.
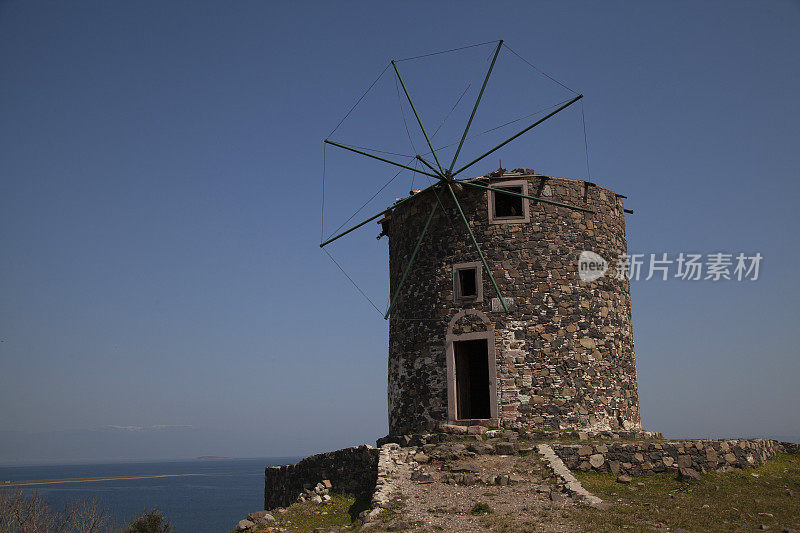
x: 508, y: 205
x: 467, y: 283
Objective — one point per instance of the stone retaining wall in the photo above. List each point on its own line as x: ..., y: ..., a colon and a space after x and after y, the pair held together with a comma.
x: 350, y: 470
x: 385, y: 485
x: 791, y: 447
x: 365, y: 471
x: 642, y: 458
x: 452, y: 432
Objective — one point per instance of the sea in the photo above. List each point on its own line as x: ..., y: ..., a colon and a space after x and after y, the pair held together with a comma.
x: 206, y: 496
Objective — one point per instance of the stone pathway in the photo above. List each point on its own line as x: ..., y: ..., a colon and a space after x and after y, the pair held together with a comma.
x: 441, y: 493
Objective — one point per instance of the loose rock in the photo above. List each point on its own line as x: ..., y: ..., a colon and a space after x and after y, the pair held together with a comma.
x: 244, y: 525
x: 506, y: 448
x: 455, y: 430
x: 688, y: 473
x: 261, y: 517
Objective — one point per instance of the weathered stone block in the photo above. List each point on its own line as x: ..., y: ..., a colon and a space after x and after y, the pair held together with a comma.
x: 506, y: 448
x: 597, y: 460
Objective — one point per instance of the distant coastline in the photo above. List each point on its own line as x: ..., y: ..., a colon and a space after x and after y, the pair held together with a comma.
x: 214, y: 458
x: 83, y: 479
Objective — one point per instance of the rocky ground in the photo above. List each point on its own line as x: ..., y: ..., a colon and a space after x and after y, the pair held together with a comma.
x: 475, y: 479
x: 439, y: 487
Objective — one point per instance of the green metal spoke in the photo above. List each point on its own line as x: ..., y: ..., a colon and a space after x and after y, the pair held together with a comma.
x: 397, y: 204
x: 411, y: 261
x: 537, y: 198
x: 427, y: 164
x: 419, y: 121
x: 474, y: 109
x: 517, y: 135
x: 380, y: 158
x: 475, y: 242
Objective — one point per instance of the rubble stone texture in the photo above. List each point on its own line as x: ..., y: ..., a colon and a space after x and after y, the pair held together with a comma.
x: 350, y: 470
x: 564, y: 356
x: 636, y: 459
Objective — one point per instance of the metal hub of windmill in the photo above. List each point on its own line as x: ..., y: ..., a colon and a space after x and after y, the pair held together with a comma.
x: 446, y: 177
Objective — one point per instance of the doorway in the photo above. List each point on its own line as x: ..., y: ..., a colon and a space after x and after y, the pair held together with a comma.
x: 473, y: 382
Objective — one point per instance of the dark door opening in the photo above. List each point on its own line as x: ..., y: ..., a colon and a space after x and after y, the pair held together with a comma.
x: 472, y: 379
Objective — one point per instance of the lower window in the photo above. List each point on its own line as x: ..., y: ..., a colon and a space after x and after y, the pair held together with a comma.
x: 467, y: 282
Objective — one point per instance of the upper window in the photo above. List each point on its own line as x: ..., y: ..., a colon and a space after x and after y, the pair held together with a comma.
x: 508, y: 208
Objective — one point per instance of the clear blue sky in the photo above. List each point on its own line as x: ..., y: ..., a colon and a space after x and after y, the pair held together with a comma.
x: 160, y: 188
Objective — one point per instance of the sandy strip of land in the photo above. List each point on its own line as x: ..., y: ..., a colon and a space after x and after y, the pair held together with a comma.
x: 84, y: 479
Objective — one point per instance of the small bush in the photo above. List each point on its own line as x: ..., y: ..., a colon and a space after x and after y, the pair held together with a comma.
x: 480, y: 508
x: 152, y: 521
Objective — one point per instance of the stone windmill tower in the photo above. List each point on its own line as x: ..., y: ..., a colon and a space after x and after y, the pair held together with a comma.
x: 562, y: 356
x: 490, y: 321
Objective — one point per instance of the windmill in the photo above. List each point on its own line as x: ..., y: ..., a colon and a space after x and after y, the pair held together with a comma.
x: 445, y: 176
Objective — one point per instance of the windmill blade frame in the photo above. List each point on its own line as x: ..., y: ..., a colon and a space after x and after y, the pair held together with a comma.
x: 447, y: 179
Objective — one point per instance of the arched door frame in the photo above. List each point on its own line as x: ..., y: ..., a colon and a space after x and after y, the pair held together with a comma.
x: 450, y: 339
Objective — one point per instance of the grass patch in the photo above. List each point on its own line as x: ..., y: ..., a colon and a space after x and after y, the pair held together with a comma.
x: 304, y: 517
x: 393, y: 509
x: 480, y: 508
x: 734, y: 501
x: 508, y: 524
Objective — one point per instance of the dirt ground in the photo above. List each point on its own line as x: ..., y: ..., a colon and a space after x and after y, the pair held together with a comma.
x: 525, y: 498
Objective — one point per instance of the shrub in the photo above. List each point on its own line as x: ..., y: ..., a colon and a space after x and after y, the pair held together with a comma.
x: 152, y: 521
x: 480, y: 508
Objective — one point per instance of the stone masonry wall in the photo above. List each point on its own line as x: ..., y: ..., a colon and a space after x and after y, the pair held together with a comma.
x: 350, y: 470
x: 564, y: 355
x: 643, y: 458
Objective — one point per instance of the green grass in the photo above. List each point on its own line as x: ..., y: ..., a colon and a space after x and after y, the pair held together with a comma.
x: 304, y: 517
x: 480, y: 508
x: 393, y: 509
x: 734, y: 501
x: 510, y: 524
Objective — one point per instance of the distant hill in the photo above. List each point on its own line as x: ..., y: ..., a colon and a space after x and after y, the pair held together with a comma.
x: 212, y: 458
